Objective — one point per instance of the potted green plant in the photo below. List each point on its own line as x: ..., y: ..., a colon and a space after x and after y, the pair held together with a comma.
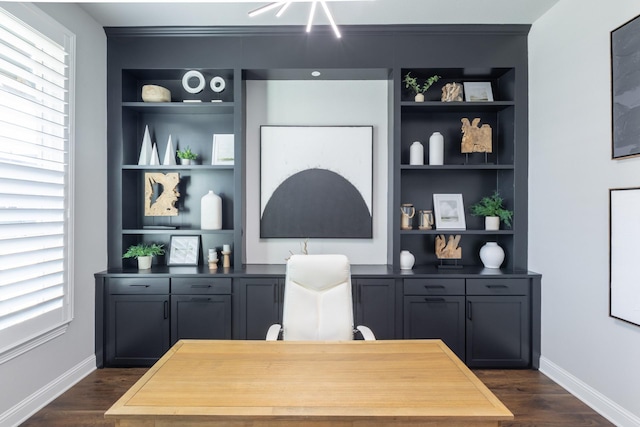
x: 411, y: 82
x: 491, y: 207
x: 186, y: 156
x: 144, y: 253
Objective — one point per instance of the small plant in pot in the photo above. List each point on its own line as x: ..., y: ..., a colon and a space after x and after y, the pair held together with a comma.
x: 144, y: 253
x: 491, y: 207
x: 411, y: 82
x: 186, y: 156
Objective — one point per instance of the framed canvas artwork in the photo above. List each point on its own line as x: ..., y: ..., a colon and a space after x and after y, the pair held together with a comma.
x: 316, y: 181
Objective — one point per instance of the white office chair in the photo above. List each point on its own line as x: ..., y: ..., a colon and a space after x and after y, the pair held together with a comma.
x: 317, y: 301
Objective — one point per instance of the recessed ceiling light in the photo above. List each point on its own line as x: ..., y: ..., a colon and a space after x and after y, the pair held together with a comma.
x: 315, y: 73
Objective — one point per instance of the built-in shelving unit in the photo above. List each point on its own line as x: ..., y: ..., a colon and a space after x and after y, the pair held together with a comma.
x: 473, y: 175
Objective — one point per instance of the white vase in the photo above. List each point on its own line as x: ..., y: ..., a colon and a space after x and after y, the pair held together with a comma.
x: 144, y: 262
x: 492, y: 223
x: 211, y: 211
x: 416, y: 154
x: 491, y: 255
x: 419, y: 97
x: 406, y: 260
x: 436, y: 149
x: 185, y: 162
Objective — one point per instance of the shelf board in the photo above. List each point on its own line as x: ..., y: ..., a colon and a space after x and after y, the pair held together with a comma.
x: 177, y: 167
x: 468, y: 232
x: 485, y: 166
x: 183, y: 231
x: 180, y: 107
x: 456, y: 106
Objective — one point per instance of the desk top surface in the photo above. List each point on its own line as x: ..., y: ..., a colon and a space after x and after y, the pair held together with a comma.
x: 329, y: 380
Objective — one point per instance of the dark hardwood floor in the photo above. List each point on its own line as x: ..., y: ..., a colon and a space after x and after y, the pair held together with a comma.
x: 533, y: 398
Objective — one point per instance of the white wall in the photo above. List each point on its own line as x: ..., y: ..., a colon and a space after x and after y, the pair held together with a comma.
x: 32, y: 379
x: 570, y: 174
x: 317, y: 103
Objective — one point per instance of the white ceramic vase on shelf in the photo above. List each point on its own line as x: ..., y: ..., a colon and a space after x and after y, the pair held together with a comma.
x: 406, y: 260
x: 491, y: 255
x: 416, y: 154
x: 211, y: 211
x: 436, y: 149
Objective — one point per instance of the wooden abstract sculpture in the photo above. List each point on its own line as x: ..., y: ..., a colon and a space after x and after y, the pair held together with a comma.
x: 164, y: 205
x: 450, y: 249
x: 451, y: 92
x: 475, y: 139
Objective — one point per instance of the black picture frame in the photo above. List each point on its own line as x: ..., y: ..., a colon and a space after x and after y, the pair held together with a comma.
x: 625, y: 90
x: 184, y: 250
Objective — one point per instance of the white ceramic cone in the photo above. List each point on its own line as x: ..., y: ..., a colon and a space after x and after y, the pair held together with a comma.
x: 169, y: 154
x: 145, y: 151
x: 155, y: 160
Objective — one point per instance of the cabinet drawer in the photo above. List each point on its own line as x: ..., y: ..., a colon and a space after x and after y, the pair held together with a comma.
x: 434, y: 286
x: 201, y: 285
x: 497, y: 287
x: 138, y: 286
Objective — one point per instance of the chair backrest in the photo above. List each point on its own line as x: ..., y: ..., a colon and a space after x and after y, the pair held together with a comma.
x: 317, y: 299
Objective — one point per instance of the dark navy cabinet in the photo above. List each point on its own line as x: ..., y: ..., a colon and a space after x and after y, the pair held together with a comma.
x: 137, y: 321
x: 374, y: 302
x: 260, y: 305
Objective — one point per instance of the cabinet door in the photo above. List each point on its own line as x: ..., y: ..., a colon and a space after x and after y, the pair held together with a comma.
x: 137, y: 330
x: 200, y: 317
x: 436, y: 317
x: 260, y: 305
x: 375, y: 306
x: 498, y: 331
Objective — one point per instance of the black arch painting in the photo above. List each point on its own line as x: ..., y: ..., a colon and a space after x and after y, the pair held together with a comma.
x: 316, y: 203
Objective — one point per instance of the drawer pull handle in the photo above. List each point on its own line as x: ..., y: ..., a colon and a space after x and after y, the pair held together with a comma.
x: 434, y: 286
x: 202, y: 299
x: 201, y: 286
x: 434, y: 299
x: 139, y: 286
x: 497, y: 286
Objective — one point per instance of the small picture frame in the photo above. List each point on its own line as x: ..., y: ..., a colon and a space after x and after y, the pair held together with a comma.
x: 449, y: 212
x: 223, y: 149
x: 478, y: 92
x: 184, y: 250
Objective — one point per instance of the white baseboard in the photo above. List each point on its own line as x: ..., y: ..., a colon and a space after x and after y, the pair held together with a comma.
x: 598, y: 402
x: 45, y: 395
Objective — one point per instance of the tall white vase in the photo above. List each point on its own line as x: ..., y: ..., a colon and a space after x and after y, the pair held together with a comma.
x: 211, y: 211
x: 491, y: 255
x: 436, y: 149
x: 416, y: 154
x: 407, y: 259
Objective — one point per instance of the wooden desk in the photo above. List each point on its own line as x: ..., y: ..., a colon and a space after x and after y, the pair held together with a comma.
x: 278, y: 383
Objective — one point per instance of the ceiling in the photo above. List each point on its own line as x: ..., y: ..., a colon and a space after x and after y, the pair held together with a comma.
x: 355, y: 12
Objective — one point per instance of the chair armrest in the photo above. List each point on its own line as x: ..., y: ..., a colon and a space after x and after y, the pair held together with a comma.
x: 273, y: 332
x: 367, y: 334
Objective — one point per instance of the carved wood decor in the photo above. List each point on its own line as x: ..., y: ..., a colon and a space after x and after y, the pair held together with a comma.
x: 450, y: 249
x: 164, y: 205
x: 476, y: 139
x: 452, y: 92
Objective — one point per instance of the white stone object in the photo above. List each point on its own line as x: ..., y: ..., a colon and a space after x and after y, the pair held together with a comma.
x: 169, y: 154
x: 416, y: 154
x: 407, y: 259
x: 154, y: 93
x: 145, y: 150
x: 218, y: 84
x: 144, y: 262
x: 186, y: 84
x: 436, y: 149
x: 491, y: 255
x: 211, y: 211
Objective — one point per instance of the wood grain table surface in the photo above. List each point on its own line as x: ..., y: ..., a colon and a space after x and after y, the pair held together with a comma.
x: 314, y: 383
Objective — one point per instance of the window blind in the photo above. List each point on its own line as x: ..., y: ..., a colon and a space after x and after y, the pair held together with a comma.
x: 34, y: 182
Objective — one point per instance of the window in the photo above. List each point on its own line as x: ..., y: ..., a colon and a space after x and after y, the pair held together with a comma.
x: 35, y: 179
